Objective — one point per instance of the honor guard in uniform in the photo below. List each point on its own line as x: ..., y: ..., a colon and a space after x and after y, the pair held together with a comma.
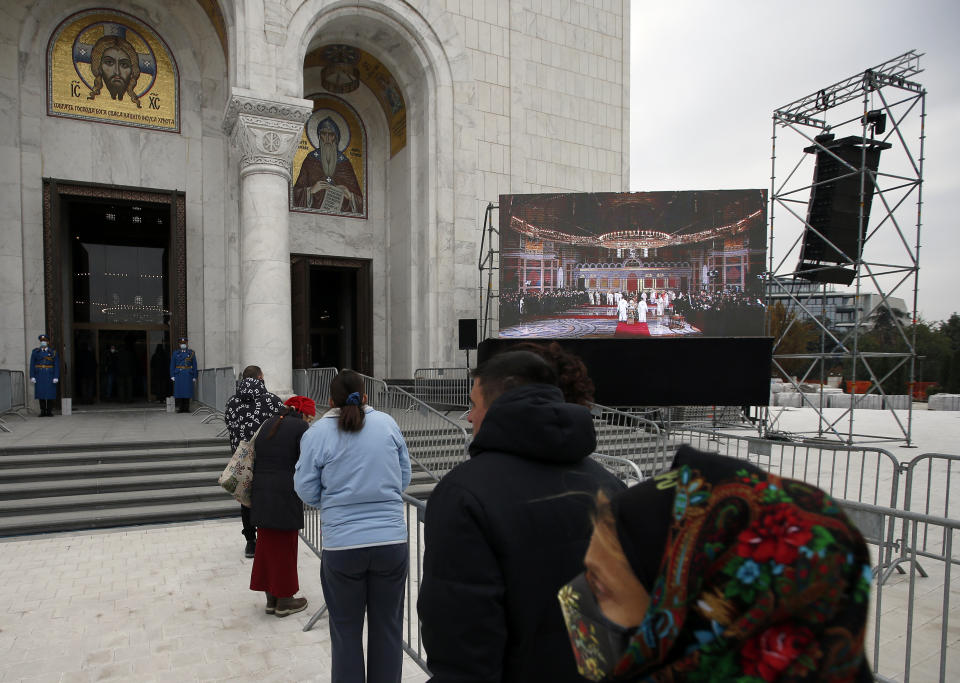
x: 44, y: 375
x: 183, y: 373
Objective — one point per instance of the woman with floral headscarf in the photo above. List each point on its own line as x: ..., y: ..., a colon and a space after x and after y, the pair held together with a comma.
x: 718, y: 571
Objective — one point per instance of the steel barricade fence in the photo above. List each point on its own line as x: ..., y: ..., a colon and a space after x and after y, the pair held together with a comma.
x: 443, y: 387
x: 312, y: 536
x: 927, y: 491
x: 18, y: 389
x: 630, y: 436
x: 226, y: 387
x: 415, y: 514
x: 314, y: 383
x: 851, y: 473
x: 214, y: 388
x: 908, y: 634
x: 6, y: 397
x: 376, y: 391
x: 206, y: 393
x: 625, y: 470
x: 435, y: 442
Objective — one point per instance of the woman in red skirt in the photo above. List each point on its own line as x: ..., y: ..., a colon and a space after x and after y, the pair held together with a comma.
x: 276, y: 509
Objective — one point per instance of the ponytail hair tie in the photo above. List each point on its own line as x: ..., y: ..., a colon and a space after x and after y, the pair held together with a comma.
x: 353, y: 399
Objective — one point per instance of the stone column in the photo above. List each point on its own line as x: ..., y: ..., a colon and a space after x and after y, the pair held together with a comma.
x: 266, y: 133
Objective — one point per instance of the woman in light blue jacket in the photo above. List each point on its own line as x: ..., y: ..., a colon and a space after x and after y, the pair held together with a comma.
x: 353, y: 466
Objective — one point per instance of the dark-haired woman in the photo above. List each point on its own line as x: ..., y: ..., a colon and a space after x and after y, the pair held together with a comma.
x: 276, y: 510
x: 354, y: 465
x: 719, y: 571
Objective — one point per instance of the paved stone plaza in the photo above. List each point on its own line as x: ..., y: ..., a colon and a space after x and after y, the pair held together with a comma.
x: 170, y: 602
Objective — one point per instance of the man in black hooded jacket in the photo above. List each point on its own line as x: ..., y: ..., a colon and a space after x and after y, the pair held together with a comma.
x: 245, y: 412
x: 506, y: 529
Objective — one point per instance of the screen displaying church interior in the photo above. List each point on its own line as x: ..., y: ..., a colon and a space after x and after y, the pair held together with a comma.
x: 632, y: 264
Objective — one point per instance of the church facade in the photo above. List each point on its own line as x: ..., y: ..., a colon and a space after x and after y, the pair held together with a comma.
x: 288, y: 184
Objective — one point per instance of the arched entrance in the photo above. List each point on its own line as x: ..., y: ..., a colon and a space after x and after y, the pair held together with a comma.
x: 384, y: 62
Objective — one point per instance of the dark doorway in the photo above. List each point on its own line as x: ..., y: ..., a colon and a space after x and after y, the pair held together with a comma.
x: 114, y: 273
x: 119, y: 258
x: 332, y: 313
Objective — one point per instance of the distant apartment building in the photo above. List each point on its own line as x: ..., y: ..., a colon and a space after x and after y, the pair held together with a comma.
x: 839, y: 307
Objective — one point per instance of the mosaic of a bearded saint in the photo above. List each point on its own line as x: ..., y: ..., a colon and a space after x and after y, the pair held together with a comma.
x: 115, y: 64
x: 327, y: 169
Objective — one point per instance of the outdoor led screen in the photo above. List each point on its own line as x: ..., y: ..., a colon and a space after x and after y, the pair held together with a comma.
x: 632, y: 264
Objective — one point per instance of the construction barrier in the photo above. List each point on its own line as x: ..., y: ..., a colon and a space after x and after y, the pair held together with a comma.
x: 314, y: 383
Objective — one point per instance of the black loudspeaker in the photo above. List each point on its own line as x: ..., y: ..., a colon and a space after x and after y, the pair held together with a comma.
x: 468, y: 333
x: 834, y: 207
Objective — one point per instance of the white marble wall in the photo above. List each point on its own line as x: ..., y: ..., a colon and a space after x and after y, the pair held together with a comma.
x: 194, y: 161
x: 503, y: 97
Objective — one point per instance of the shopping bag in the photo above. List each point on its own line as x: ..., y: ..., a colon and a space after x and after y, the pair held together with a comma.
x: 237, y: 476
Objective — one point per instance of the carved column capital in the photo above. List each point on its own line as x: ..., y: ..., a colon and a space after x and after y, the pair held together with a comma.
x: 265, y: 131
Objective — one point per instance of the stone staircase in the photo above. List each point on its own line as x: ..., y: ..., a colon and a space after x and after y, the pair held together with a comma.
x: 90, y: 486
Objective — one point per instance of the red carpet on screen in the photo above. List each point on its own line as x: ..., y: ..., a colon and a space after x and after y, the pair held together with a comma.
x: 635, y: 330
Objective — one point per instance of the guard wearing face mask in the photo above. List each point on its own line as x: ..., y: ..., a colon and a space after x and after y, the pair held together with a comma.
x: 183, y: 374
x: 44, y: 375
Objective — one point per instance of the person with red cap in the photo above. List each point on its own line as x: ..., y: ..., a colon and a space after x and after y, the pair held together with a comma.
x: 276, y: 510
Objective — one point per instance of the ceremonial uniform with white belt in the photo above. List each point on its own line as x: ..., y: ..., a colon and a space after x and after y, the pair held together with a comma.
x: 44, y: 375
x: 183, y: 373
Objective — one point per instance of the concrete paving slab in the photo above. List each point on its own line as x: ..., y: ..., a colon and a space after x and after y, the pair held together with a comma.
x: 161, y: 603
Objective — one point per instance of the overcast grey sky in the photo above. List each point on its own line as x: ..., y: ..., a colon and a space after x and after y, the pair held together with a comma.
x: 707, y: 75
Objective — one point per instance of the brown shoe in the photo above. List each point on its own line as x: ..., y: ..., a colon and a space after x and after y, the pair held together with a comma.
x: 271, y: 603
x: 287, y: 606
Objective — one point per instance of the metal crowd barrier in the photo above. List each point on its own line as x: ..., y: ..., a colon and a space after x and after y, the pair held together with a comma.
x: 625, y: 470
x: 927, y: 491
x: 909, y: 624
x: 436, y: 443
x: 633, y: 437
x: 314, y: 383
x: 414, y: 512
x: 376, y: 391
x: 312, y: 536
x: 214, y: 388
x: 849, y: 473
x: 446, y: 388
x: 12, y: 395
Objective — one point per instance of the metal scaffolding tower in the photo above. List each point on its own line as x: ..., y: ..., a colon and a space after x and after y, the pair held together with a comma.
x: 489, y: 262
x: 878, y: 109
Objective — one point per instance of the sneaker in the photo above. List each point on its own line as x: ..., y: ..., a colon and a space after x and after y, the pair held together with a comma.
x: 251, y: 549
x: 271, y: 604
x: 287, y: 606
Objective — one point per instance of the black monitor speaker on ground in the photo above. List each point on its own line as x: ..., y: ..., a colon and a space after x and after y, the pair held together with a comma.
x: 468, y: 333
x: 834, y: 207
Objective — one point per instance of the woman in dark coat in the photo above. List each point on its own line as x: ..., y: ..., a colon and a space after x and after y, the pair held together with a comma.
x: 276, y: 510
